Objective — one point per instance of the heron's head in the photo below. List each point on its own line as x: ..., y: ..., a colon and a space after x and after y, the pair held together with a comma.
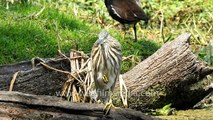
x: 102, y: 38
x: 104, y: 42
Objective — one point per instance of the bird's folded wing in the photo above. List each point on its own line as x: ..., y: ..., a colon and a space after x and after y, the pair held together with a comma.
x: 129, y: 10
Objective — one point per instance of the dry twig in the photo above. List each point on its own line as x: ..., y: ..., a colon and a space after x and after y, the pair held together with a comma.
x: 13, y: 81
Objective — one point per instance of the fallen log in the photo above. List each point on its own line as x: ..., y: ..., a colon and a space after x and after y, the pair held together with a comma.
x: 16, y: 105
x: 34, y: 80
x: 171, y: 75
x: 168, y: 76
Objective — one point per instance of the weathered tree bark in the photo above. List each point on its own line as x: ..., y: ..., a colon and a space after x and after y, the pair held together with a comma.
x: 16, y: 105
x: 35, y: 80
x: 168, y: 76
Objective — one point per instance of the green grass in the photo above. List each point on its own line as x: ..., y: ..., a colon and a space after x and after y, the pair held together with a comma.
x: 78, y: 23
x: 23, y: 37
x: 21, y: 41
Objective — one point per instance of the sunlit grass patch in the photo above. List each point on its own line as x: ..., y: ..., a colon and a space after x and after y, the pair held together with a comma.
x: 72, y: 24
x: 22, y: 41
x: 23, y: 37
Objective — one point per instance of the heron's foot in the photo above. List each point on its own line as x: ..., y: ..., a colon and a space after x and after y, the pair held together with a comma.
x: 108, y: 106
x: 99, y: 102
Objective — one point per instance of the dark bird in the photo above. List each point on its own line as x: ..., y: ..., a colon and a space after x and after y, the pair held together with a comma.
x: 106, y: 59
x: 126, y: 12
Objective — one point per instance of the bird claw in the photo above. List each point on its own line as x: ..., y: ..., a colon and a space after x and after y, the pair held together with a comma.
x: 108, y: 106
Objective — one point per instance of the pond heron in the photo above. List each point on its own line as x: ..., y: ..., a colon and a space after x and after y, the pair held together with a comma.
x: 106, y: 63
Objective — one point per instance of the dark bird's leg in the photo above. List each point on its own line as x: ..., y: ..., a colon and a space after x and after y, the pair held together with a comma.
x: 135, y: 31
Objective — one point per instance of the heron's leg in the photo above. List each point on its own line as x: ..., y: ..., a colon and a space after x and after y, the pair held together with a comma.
x: 122, y: 84
x: 135, y: 31
x: 109, y: 105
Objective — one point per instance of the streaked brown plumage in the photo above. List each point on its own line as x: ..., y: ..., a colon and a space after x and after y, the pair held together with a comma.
x: 106, y: 61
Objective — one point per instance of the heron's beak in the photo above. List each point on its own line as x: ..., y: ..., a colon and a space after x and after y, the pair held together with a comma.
x: 103, y: 49
x: 100, y: 42
x: 102, y: 46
